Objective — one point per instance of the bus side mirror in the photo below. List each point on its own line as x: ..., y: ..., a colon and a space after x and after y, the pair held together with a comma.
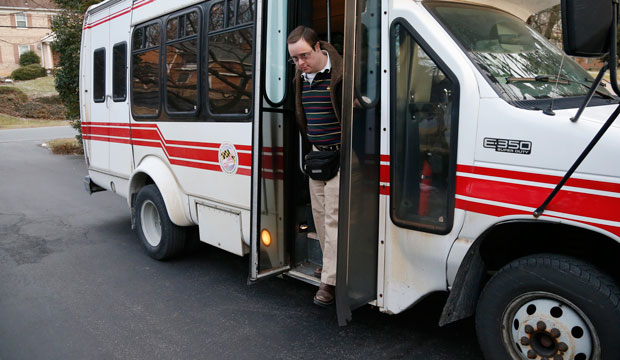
x: 586, y: 27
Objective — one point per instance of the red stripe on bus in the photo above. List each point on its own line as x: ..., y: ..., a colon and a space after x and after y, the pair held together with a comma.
x: 145, y: 134
x: 104, y: 20
x: 487, y: 209
x: 104, y: 124
x: 193, y: 164
x: 542, y: 178
x: 106, y: 139
x: 145, y: 143
x: 384, y: 173
x: 244, y: 171
x: 117, y: 14
x: 500, y: 211
x: 124, y: 132
x: 192, y: 154
x: 534, y: 177
x: 244, y: 159
x: 149, y: 135
x: 150, y: 126
x: 193, y: 143
x: 273, y: 149
x: 272, y: 176
x: 569, y: 202
x: 273, y: 162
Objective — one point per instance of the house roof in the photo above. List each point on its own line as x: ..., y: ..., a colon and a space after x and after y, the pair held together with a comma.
x: 32, y: 4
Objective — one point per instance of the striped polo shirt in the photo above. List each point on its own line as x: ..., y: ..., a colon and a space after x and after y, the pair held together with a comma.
x: 323, y: 125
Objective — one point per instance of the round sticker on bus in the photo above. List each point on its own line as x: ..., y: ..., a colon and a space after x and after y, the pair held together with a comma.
x: 229, y: 162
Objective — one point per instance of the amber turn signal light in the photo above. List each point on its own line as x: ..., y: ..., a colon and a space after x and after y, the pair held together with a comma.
x: 265, y: 237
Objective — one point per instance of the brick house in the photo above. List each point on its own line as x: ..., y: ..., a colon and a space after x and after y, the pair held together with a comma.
x: 25, y: 25
x: 590, y: 64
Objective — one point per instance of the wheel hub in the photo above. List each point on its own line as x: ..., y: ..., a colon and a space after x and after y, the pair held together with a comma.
x: 543, y: 342
x: 548, y: 328
x: 151, y: 223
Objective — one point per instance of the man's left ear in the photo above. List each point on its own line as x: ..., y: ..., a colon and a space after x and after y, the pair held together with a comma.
x: 317, y: 46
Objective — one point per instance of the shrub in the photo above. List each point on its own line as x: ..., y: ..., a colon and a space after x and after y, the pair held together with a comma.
x: 67, y: 26
x: 11, y: 95
x: 28, y: 58
x: 29, y: 72
x: 65, y: 146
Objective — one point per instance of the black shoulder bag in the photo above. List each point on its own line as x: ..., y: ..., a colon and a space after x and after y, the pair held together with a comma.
x: 322, y: 165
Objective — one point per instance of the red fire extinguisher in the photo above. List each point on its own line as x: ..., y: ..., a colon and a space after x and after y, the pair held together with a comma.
x: 425, y: 187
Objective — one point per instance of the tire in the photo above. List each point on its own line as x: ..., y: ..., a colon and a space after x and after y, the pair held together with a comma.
x: 161, y: 238
x: 539, y: 305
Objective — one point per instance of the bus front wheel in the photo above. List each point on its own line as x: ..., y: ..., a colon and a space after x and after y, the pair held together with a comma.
x: 161, y: 238
x: 549, y: 307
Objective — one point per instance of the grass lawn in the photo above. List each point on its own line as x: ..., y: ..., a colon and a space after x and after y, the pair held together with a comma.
x: 605, y: 77
x: 43, y: 86
x: 11, y: 122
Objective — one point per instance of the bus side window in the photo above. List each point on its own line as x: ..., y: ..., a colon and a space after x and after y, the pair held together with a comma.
x: 275, y: 67
x: 245, y: 11
x: 99, y: 75
x: 182, y: 68
x: 231, y: 60
x: 145, y: 82
x: 423, y: 148
x: 119, y: 72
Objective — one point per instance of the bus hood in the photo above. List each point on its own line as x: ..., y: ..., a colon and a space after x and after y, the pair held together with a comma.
x: 520, y: 8
x: 597, y: 114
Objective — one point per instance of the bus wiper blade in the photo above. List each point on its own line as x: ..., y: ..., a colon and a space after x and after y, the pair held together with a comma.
x: 539, y: 78
x: 599, y: 92
x: 554, y: 79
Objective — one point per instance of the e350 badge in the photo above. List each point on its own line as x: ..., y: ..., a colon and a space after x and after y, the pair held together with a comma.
x: 229, y: 162
x: 509, y: 145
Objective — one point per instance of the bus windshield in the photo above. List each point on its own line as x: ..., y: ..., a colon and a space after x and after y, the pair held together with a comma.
x: 519, y: 62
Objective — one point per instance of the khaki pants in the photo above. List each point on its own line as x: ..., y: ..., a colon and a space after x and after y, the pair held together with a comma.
x: 324, y: 197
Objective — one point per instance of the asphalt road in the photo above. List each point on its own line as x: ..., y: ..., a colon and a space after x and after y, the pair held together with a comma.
x: 75, y: 284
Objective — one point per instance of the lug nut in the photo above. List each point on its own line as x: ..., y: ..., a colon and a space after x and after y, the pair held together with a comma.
x: 541, y: 325
x: 525, y: 341
x: 555, y: 333
x: 558, y: 357
x: 531, y: 355
x: 529, y: 329
x: 562, y: 347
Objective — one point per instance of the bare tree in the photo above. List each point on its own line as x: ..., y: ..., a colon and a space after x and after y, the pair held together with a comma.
x: 548, y: 23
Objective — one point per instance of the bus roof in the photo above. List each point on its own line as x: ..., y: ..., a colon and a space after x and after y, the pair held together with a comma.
x: 520, y: 8
x: 102, y: 5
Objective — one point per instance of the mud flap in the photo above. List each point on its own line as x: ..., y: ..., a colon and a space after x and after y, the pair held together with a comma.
x: 465, y: 291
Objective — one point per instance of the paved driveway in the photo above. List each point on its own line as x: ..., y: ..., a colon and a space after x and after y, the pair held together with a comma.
x: 75, y: 284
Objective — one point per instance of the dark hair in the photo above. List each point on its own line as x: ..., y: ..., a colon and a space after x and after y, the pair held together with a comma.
x: 303, y: 32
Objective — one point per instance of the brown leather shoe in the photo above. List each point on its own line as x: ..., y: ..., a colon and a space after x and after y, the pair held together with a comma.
x: 317, y: 271
x: 325, y: 295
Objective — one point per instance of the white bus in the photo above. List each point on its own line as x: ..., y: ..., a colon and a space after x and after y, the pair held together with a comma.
x: 456, y: 128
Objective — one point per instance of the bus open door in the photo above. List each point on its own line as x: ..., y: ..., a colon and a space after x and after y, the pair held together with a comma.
x: 283, y: 239
x: 358, y: 230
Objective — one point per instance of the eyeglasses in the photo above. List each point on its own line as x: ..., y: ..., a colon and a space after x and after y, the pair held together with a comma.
x: 295, y: 59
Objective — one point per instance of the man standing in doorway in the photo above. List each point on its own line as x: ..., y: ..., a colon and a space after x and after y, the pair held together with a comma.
x: 318, y: 105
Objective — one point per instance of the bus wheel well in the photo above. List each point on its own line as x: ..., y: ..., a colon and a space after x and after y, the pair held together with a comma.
x: 512, y: 240
x: 508, y: 241
x: 138, y: 181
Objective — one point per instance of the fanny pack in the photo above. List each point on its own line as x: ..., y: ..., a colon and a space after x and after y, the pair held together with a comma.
x: 322, y: 165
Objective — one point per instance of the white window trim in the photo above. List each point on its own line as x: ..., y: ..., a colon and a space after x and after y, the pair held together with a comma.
x: 18, y: 19
x: 20, y: 47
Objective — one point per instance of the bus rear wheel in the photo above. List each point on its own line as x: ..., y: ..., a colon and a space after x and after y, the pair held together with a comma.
x: 549, y: 307
x: 160, y: 237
